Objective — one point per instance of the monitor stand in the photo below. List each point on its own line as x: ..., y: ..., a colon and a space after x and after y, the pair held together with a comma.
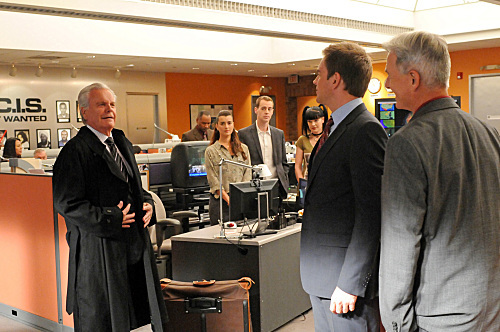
x: 259, y: 230
x: 252, y: 235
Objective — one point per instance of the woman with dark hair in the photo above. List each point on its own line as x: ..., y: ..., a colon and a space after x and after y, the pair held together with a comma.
x: 225, y: 144
x: 313, y: 122
x: 12, y: 148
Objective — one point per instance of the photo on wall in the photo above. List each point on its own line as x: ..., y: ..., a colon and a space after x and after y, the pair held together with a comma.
x: 43, y: 138
x: 62, y: 107
x: 3, y: 136
x: 24, y: 136
x: 78, y: 115
x: 63, y: 136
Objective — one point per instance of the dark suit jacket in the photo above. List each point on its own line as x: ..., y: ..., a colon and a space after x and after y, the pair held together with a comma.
x: 250, y: 137
x: 87, y: 187
x: 341, y: 223
x: 194, y: 135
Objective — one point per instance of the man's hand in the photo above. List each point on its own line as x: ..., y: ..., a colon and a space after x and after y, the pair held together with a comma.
x: 127, y: 218
x: 342, y: 302
x: 149, y: 213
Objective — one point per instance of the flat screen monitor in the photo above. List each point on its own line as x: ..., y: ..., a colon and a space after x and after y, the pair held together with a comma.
x: 301, y: 193
x: 393, y: 118
x: 243, y: 199
x: 187, y: 164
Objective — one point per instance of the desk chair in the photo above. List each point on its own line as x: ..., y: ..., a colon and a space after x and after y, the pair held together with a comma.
x: 189, y: 219
x: 160, y: 236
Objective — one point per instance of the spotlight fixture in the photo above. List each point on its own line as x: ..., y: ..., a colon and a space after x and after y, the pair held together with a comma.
x: 118, y: 73
x: 265, y: 89
x: 39, y: 71
x: 13, y: 70
x: 74, y: 72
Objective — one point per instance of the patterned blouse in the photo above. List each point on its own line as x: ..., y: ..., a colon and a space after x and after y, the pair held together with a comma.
x: 230, y: 173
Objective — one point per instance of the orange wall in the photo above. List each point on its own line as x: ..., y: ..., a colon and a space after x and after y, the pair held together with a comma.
x: 470, y: 62
x: 185, y: 89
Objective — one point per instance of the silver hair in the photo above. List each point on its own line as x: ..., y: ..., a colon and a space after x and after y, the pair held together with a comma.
x: 424, y: 52
x: 83, y: 96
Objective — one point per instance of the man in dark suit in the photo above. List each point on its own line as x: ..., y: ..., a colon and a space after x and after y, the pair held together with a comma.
x: 267, y: 143
x: 202, y: 131
x: 112, y: 280
x: 341, y: 222
x: 440, y: 242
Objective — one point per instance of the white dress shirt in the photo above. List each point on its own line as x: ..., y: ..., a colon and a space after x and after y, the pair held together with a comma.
x: 266, y: 146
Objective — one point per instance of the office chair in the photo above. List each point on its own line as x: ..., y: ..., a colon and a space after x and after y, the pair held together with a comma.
x: 160, y: 236
x: 189, y: 219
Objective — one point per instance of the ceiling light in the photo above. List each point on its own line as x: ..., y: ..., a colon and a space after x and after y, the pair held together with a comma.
x: 13, y: 71
x: 291, y: 64
x: 90, y: 56
x: 250, y: 70
x: 130, y: 65
x: 118, y: 73
x: 195, y: 68
x: 234, y: 64
x: 39, y: 71
x: 73, y: 72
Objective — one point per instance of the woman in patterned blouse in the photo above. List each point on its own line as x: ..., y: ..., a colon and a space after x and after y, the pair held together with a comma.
x: 225, y: 144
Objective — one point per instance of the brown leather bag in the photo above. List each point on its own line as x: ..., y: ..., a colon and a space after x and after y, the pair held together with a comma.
x: 224, y: 304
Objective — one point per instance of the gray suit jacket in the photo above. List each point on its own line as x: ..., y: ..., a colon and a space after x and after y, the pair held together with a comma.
x: 194, y: 135
x: 250, y: 137
x: 341, y: 223
x: 440, y: 257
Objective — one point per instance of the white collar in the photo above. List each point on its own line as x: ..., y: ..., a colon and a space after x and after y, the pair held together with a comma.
x: 263, y: 131
x: 99, y: 135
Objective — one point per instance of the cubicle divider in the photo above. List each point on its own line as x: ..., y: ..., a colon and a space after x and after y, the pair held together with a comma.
x: 33, y: 253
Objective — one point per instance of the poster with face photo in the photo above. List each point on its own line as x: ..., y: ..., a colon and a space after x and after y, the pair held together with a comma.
x: 3, y: 136
x: 43, y: 138
x: 24, y: 136
x: 63, y: 136
x: 78, y: 115
x: 62, y: 107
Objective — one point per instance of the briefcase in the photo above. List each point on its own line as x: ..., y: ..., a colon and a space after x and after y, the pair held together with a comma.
x: 207, y: 305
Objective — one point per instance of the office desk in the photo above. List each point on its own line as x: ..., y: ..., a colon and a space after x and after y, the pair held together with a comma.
x: 272, y: 261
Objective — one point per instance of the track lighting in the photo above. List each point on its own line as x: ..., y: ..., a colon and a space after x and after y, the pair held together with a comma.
x: 118, y: 73
x: 39, y: 71
x: 13, y: 70
x: 74, y: 72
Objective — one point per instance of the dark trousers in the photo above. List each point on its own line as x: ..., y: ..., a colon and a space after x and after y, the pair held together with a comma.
x: 364, y: 318
x: 214, y: 210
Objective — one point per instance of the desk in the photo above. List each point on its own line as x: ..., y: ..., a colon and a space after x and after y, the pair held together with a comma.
x: 272, y: 261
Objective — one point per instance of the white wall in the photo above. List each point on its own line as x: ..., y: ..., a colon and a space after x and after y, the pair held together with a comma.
x: 56, y: 84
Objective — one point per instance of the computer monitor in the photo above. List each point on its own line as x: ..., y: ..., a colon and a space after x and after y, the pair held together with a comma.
x: 187, y: 165
x: 243, y: 199
x: 301, y: 196
x: 391, y: 117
